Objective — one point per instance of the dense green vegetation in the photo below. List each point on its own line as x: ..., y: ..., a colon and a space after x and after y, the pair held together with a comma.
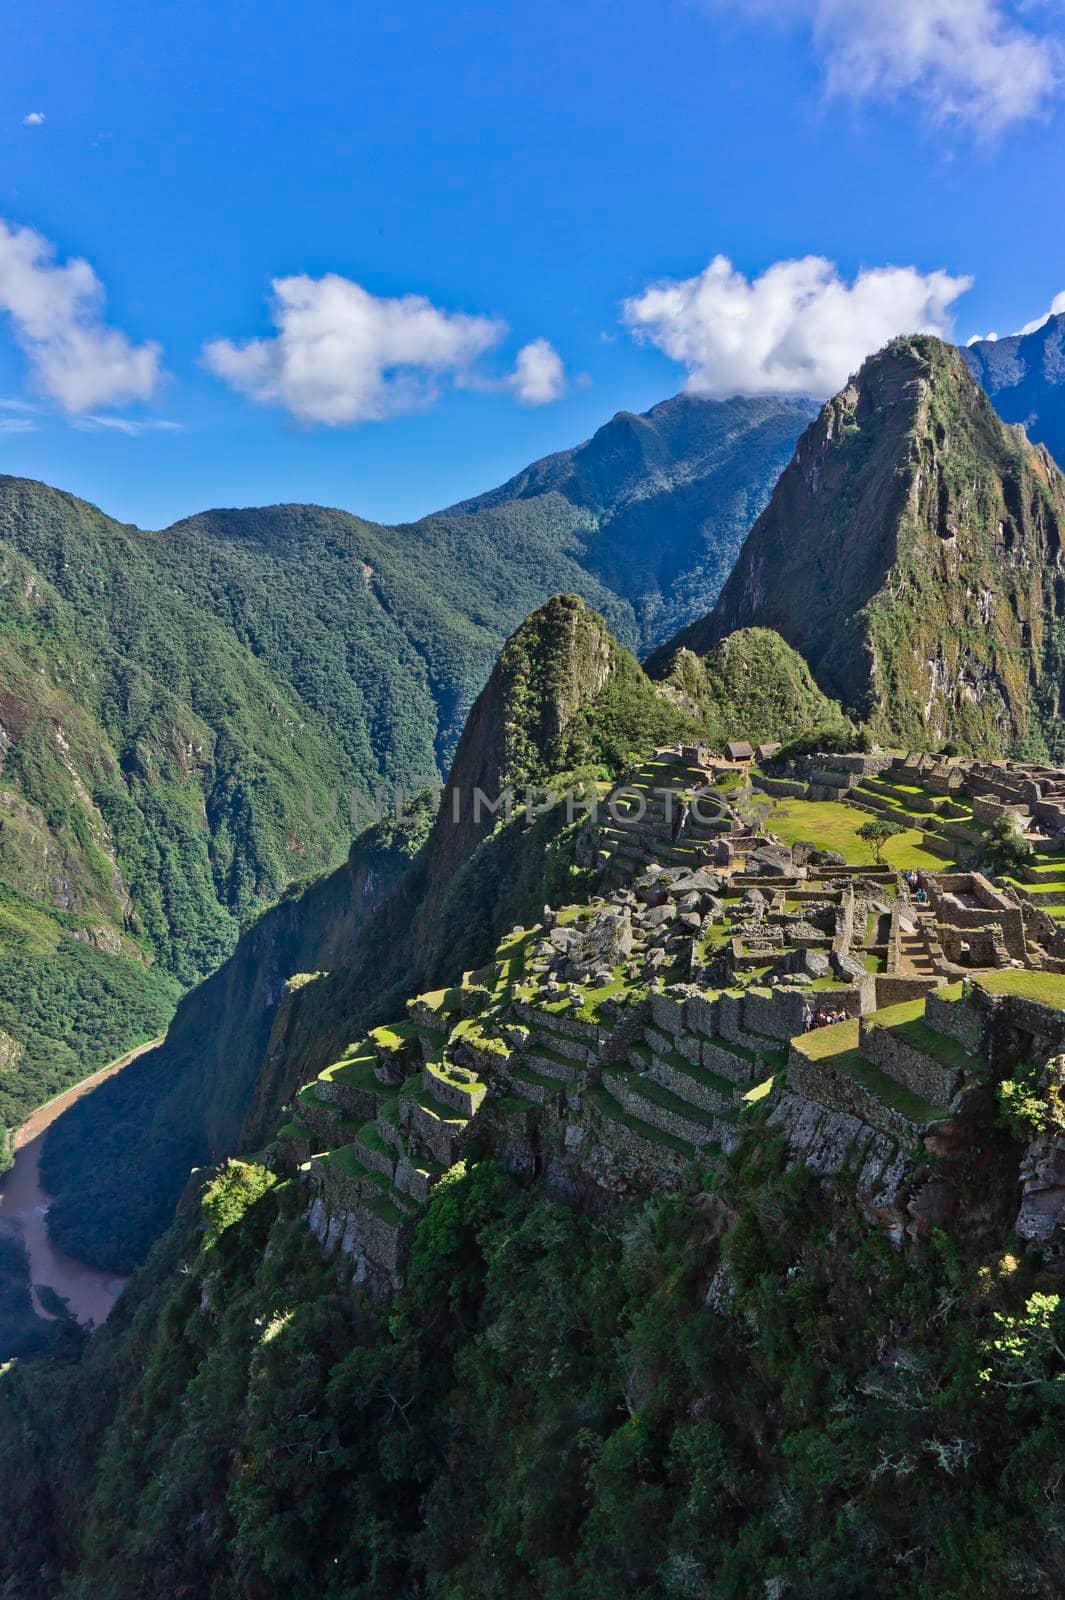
x: 167, y: 700
x: 87, y: 1006
x: 909, y: 521
x: 554, y: 1407
x: 117, y: 1161
x: 751, y: 685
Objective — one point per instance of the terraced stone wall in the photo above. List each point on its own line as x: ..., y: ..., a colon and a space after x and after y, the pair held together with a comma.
x: 1044, y: 1024
x: 838, y: 1091
x: 964, y: 1020
x: 910, y: 1066
x: 987, y: 811
x: 968, y: 947
x: 779, y: 1015
x: 993, y: 907
x: 1047, y: 933
x: 783, y: 788
x: 342, y: 1224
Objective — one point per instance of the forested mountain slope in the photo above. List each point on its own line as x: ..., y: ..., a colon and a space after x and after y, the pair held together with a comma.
x: 168, y: 699
x: 564, y: 706
x: 658, y: 503
x: 911, y: 552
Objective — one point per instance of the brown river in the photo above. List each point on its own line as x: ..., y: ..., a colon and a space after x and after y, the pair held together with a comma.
x: 24, y: 1208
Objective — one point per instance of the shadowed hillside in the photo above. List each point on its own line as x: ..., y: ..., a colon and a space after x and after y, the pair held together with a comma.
x: 1025, y: 377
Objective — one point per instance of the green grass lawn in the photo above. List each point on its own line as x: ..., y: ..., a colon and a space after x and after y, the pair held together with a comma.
x: 838, y: 1039
x: 837, y: 1046
x: 907, y: 1022
x: 833, y: 826
x: 391, y: 1036
x: 1048, y: 988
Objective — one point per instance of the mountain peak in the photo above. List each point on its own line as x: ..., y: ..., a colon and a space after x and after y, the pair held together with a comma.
x: 911, y: 552
x: 1025, y: 375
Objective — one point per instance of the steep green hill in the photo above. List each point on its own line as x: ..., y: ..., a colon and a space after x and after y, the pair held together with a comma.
x: 167, y: 700
x: 1025, y: 377
x: 722, y: 1395
x: 564, y: 706
x: 912, y: 554
x: 751, y: 685
x: 408, y: 905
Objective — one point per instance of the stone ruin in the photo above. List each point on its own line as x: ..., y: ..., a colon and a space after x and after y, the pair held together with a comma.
x: 718, y: 974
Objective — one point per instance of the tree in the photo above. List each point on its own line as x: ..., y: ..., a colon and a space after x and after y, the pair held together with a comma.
x: 1007, y: 848
x: 876, y: 832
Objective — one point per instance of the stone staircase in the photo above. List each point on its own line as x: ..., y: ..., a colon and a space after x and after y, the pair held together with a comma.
x: 914, y: 958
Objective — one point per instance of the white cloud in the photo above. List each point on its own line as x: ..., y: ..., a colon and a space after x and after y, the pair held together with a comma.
x: 539, y: 375
x: 987, y: 63
x: 17, y: 425
x: 1057, y: 306
x: 33, y: 119
x: 133, y: 426
x: 56, y: 314
x: 343, y: 355
x: 800, y: 328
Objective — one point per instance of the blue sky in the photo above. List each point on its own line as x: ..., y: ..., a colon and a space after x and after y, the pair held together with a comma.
x: 532, y: 173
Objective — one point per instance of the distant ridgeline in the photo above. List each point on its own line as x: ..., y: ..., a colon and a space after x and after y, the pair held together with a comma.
x: 167, y: 699
x: 1025, y: 376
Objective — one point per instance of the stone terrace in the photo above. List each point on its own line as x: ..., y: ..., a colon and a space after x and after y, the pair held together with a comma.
x: 617, y: 1045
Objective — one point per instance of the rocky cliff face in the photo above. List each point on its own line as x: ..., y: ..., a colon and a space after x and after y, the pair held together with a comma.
x: 1025, y: 377
x: 912, y: 553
